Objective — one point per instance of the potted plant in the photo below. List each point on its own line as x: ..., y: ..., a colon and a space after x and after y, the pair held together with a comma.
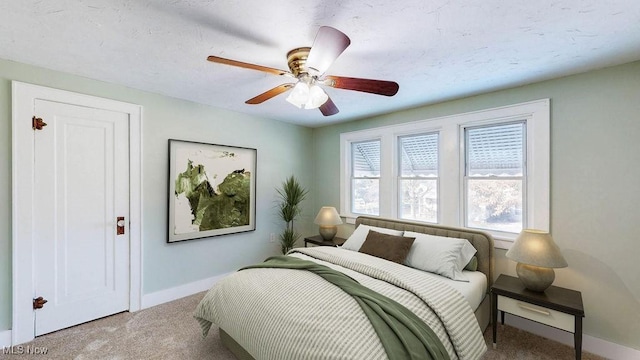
x: 291, y: 194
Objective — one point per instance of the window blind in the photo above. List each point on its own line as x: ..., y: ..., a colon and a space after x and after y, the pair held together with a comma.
x: 496, y: 150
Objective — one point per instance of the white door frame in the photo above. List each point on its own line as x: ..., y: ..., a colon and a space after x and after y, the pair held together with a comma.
x: 22, y: 168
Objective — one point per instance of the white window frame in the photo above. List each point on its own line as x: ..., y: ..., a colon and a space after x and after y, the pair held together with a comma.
x: 465, y: 178
x: 451, y: 163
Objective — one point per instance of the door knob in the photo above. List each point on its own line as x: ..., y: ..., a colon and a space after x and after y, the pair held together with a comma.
x: 120, y: 225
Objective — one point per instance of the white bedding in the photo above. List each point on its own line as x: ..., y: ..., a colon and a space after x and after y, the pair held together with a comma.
x: 474, y: 291
x: 249, y: 305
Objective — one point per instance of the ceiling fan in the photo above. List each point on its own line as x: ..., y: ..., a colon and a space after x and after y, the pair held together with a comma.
x: 308, y: 65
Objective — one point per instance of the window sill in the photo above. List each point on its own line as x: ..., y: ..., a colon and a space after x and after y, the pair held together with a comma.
x: 349, y: 220
x: 504, y: 244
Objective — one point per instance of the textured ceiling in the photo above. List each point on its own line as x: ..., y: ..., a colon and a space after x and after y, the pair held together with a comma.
x: 435, y: 50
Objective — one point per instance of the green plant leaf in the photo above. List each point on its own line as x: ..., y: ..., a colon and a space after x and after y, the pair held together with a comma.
x: 291, y: 194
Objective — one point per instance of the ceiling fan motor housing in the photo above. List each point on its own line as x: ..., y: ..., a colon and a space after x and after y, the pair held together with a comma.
x: 297, y: 60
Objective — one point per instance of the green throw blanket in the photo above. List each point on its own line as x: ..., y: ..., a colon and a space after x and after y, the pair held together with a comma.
x: 402, y: 334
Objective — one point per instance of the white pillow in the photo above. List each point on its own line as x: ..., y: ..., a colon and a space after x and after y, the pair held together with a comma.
x: 466, y: 253
x: 439, y: 255
x: 355, y: 241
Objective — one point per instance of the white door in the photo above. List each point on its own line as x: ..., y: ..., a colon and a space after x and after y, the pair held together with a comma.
x: 81, y: 187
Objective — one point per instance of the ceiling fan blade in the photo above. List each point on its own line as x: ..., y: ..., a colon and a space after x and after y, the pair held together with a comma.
x: 245, y: 65
x: 327, y: 46
x: 329, y: 108
x: 380, y: 87
x: 269, y: 94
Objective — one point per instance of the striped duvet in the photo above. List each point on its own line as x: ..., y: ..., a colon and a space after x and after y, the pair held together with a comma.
x: 285, y: 314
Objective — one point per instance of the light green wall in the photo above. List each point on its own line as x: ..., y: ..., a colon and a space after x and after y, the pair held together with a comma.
x: 595, y: 180
x: 283, y: 149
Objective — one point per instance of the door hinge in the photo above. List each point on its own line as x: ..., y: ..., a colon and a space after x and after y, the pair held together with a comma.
x: 38, y: 303
x: 37, y: 123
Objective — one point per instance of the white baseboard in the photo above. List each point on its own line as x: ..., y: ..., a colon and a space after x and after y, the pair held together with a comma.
x: 178, y: 292
x: 590, y: 344
x: 5, y: 338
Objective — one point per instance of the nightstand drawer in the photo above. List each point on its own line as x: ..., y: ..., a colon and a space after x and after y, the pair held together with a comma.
x: 540, y: 314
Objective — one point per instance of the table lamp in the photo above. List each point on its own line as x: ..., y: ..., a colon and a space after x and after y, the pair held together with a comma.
x: 328, y: 218
x: 536, y: 254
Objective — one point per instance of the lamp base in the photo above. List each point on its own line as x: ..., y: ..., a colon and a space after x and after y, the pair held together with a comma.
x: 328, y: 232
x: 535, y: 278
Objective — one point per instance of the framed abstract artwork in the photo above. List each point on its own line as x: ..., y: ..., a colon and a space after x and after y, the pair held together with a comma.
x: 212, y: 190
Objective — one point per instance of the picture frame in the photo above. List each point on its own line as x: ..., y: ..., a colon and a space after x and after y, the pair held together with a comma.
x: 211, y: 190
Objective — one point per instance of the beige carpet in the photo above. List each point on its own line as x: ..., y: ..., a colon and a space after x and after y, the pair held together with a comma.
x: 169, y: 331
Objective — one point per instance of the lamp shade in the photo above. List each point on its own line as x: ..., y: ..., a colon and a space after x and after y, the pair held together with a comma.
x: 328, y: 216
x: 535, y: 247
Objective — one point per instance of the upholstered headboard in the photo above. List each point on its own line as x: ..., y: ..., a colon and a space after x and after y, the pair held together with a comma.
x: 482, y: 241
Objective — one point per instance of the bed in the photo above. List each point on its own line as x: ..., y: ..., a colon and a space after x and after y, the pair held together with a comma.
x: 291, y: 314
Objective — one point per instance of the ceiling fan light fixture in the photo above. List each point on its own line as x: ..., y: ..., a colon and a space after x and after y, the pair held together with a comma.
x: 317, y: 97
x: 299, y: 94
x: 305, y: 96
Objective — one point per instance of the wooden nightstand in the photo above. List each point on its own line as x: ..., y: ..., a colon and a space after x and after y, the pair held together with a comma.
x: 318, y: 240
x: 556, y: 306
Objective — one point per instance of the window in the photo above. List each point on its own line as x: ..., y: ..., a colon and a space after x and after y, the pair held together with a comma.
x: 418, y: 177
x: 487, y: 169
x: 365, y: 177
x: 495, y: 177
